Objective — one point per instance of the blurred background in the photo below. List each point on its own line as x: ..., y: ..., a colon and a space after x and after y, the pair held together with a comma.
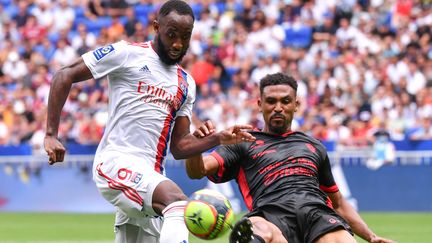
x: 364, y: 70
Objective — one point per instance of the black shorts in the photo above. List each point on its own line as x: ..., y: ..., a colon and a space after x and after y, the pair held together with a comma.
x: 302, y: 223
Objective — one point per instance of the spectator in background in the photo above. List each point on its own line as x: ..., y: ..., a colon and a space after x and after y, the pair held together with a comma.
x: 46, y: 49
x: 84, y: 40
x: 4, y: 132
x: 14, y: 67
x: 4, y: 17
x: 203, y: 68
x: 63, y: 55
x: 32, y: 31
x: 422, y: 131
x: 131, y: 22
x: 44, y: 13
x: 116, y: 30
x: 383, y: 149
x: 94, y: 9
x: 64, y: 16
x: 323, y: 32
x: 21, y: 17
x: 116, y: 8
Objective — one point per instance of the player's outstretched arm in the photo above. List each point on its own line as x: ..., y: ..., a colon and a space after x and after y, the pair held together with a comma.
x: 199, y: 166
x: 185, y: 145
x: 59, y: 91
x: 360, y: 228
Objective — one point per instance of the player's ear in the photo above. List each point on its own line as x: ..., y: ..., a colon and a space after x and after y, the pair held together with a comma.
x: 156, y: 26
x: 297, y: 105
x: 259, y: 104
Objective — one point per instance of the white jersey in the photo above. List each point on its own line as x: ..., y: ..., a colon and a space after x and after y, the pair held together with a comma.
x: 145, y: 97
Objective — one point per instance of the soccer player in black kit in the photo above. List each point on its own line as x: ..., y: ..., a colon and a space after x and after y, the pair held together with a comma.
x: 284, y: 176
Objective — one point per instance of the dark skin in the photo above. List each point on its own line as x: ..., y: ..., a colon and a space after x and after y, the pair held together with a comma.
x: 171, y: 43
x: 278, y: 103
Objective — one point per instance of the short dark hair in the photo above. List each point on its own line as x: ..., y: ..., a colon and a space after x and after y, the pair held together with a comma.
x: 181, y: 7
x: 277, y: 78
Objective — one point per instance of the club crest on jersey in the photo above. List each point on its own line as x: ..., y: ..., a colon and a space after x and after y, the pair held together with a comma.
x: 103, y: 51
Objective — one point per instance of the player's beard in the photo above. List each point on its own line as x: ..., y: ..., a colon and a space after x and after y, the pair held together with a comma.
x: 278, y: 128
x: 162, y: 51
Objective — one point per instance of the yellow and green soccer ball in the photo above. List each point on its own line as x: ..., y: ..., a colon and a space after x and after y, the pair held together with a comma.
x: 208, y: 214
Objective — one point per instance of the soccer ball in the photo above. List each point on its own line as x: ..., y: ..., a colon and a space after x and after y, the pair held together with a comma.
x: 208, y: 214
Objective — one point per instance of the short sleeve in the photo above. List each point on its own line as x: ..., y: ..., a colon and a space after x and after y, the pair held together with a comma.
x: 186, y: 108
x: 326, y: 180
x: 106, y: 59
x: 228, y: 157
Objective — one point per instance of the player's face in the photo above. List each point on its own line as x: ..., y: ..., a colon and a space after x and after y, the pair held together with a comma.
x: 173, y: 33
x: 278, y: 104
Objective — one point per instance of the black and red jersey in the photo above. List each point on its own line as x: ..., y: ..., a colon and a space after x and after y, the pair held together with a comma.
x: 275, y: 167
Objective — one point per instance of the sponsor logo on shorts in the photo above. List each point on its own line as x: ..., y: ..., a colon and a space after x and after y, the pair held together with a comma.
x: 333, y: 220
x: 125, y: 174
x: 136, y: 177
x: 103, y: 51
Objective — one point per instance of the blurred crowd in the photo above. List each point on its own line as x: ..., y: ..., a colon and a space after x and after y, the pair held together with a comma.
x: 361, y: 65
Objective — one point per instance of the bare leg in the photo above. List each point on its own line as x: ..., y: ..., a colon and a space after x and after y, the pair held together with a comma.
x: 338, y: 236
x: 267, y: 230
x: 166, y: 193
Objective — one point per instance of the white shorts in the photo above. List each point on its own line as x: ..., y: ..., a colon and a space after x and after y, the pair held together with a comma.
x: 127, y: 182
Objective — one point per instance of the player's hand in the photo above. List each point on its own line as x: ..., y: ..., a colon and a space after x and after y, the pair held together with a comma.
x: 206, y: 129
x: 55, y: 150
x: 236, y: 134
x: 377, y: 239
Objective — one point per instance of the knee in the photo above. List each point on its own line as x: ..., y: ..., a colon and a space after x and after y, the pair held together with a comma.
x: 172, y: 197
x: 166, y: 193
x: 264, y: 230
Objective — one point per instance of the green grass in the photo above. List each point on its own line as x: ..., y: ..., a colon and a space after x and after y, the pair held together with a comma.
x: 56, y: 227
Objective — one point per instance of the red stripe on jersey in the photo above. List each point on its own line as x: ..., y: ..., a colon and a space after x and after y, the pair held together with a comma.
x: 331, y: 189
x: 129, y: 192
x: 329, y: 202
x: 287, y: 134
x: 140, y: 44
x: 220, y: 161
x: 162, y: 144
x: 244, y: 188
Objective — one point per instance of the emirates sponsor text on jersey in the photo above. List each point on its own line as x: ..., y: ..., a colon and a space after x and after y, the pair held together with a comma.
x: 158, y: 96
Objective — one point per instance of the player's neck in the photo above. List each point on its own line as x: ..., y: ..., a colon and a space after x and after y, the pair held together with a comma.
x: 277, y: 133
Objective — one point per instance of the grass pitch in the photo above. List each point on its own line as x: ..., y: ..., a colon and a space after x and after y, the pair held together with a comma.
x: 98, y: 228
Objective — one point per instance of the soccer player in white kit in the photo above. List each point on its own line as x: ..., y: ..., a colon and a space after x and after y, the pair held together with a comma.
x: 150, y: 107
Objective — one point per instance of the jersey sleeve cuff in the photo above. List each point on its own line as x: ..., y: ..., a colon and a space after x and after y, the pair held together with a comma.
x: 218, y: 176
x: 330, y: 189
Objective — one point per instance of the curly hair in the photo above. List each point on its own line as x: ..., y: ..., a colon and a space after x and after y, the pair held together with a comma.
x: 277, y: 78
x: 181, y: 7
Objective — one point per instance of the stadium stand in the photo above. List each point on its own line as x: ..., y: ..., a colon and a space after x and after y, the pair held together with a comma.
x: 358, y: 63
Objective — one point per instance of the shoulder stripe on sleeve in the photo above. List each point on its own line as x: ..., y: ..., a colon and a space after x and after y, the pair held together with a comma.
x: 330, y: 189
x: 140, y: 44
x: 220, y: 160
